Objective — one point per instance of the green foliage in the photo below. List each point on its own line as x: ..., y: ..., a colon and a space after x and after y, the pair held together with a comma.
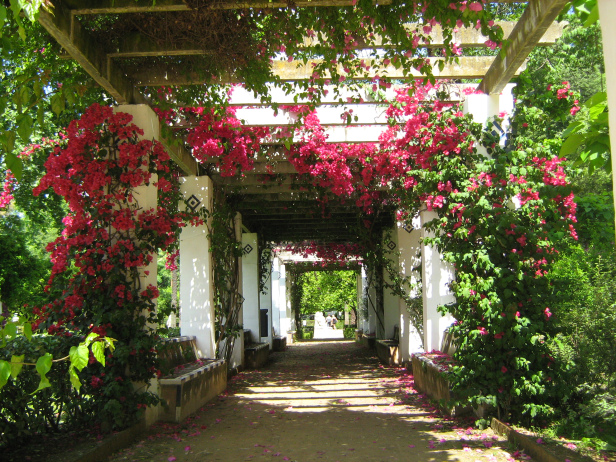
x: 587, y: 138
x: 328, y: 291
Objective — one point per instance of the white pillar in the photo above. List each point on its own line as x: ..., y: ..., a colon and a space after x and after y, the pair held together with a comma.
x: 277, y: 300
x: 607, y: 17
x: 285, y: 308
x: 147, y: 197
x: 483, y: 107
x: 196, y: 286
x: 410, y: 258
x: 368, y: 324
x: 250, y: 284
x: 391, y: 303
x: 265, y: 304
x: 237, y: 356
x: 436, y: 275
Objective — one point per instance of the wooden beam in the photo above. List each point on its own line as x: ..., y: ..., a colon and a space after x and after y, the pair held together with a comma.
x: 468, y: 67
x: 75, y: 40
x: 537, y: 18
x: 137, y: 45
x: 148, y: 6
x: 181, y: 157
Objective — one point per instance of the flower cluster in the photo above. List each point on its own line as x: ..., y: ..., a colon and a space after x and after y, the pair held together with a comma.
x: 102, y: 169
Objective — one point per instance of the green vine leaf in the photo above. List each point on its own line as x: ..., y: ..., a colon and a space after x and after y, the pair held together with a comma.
x: 43, y: 366
x: 5, y: 372
x: 16, y: 365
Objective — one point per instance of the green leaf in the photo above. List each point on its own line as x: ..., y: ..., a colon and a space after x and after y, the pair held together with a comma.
x: 72, y: 372
x: 14, y: 164
x: 5, y: 372
x: 10, y: 330
x: 28, y: 330
x: 597, y: 98
x: 58, y: 103
x: 8, y: 140
x: 16, y: 365
x: 571, y: 144
x: 79, y: 356
x: 98, y: 350
x: 593, y: 16
x: 24, y: 127
x: 2, y: 17
x: 43, y: 366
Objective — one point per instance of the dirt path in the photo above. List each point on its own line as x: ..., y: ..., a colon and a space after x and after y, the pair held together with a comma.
x: 319, y: 401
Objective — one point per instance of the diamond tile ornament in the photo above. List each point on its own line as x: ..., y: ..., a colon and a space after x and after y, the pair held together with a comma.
x: 247, y: 249
x: 391, y: 245
x: 193, y: 203
x: 408, y: 228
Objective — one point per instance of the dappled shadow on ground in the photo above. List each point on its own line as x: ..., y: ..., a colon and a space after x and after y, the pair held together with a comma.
x: 326, y: 401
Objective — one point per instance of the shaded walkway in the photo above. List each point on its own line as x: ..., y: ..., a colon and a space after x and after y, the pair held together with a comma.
x: 325, y: 401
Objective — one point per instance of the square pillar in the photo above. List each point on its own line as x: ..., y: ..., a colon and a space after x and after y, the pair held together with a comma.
x: 250, y: 285
x: 265, y: 306
x: 436, y: 276
x: 409, y: 246
x: 197, y: 316
x: 147, y: 197
x: 391, y: 303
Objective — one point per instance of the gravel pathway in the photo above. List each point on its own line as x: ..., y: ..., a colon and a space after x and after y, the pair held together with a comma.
x: 320, y: 401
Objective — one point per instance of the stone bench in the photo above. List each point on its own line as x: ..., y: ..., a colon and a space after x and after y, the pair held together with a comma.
x: 430, y: 376
x: 279, y: 343
x: 256, y: 354
x: 191, y: 382
x: 387, y: 350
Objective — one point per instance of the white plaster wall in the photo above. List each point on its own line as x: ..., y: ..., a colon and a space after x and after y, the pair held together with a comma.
x: 391, y: 303
x: 265, y: 303
x: 284, y: 308
x: 410, y: 257
x: 436, y: 275
x: 250, y: 284
x: 196, y: 291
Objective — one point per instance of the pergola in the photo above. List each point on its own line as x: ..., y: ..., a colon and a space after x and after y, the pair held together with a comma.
x: 282, y: 210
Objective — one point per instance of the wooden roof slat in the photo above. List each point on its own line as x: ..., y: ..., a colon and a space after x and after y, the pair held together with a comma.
x: 467, y: 67
x: 147, y: 6
x: 537, y: 18
x: 75, y: 40
x: 138, y: 45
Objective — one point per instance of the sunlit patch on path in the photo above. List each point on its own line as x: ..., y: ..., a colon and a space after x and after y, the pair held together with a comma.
x: 325, y: 401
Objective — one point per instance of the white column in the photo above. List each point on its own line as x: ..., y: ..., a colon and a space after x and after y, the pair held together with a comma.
x: 285, y: 308
x: 391, y: 303
x: 368, y: 324
x: 607, y: 17
x: 483, y: 107
x: 196, y: 286
x: 147, y: 197
x: 250, y: 284
x: 237, y: 356
x: 436, y: 275
x: 410, y: 257
x: 277, y: 301
x: 265, y: 303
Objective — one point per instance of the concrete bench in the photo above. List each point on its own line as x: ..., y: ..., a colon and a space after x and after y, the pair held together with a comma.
x: 256, y: 355
x: 387, y: 349
x: 191, y: 382
x: 280, y: 343
x: 430, y: 375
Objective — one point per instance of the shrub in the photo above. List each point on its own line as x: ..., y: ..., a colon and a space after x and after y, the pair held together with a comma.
x: 23, y: 414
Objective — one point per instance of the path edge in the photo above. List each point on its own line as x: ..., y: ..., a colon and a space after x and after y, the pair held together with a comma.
x: 111, y: 444
x: 533, y: 449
